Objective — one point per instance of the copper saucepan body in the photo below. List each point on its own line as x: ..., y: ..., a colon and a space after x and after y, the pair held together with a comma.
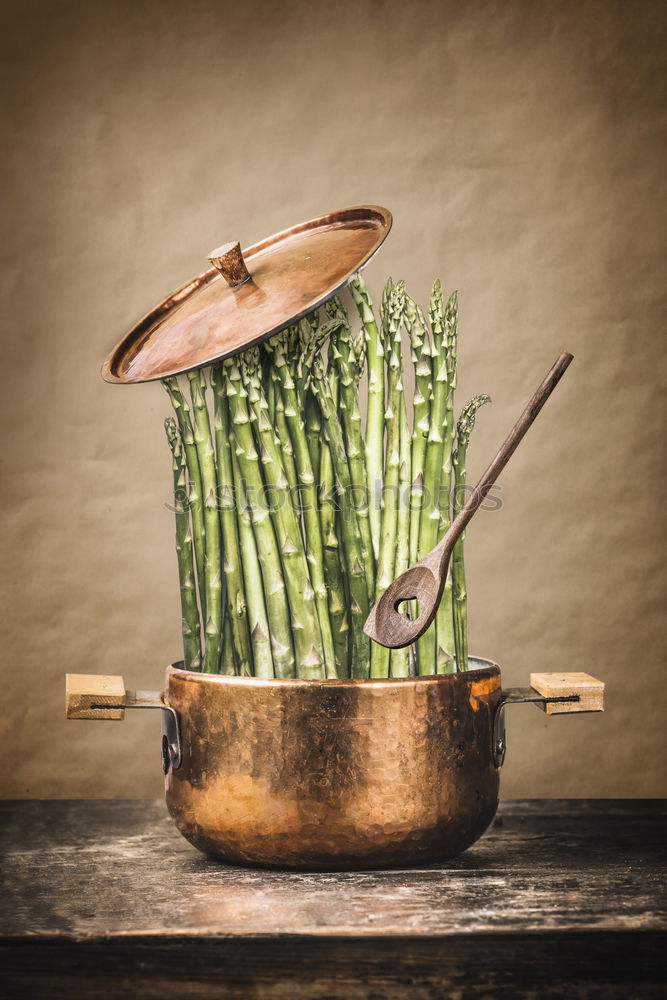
x: 332, y: 774
x: 335, y: 774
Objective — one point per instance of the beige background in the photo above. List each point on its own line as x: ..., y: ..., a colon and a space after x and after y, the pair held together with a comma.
x: 520, y: 146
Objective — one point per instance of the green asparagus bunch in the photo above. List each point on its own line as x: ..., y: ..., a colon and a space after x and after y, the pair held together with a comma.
x: 295, y: 510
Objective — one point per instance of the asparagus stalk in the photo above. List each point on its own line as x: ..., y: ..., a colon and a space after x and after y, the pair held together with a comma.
x: 258, y: 622
x: 350, y: 367
x: 298, y: 339
x: 463, y: 431
x: 337, y: 597
x: 421, y: 354
x: 269, y: 381
x: 444, y: 622
x: 186, y: 570
x: 213, y: 556
x: 236, y: 600
x: 311, y: 362
x: 284, y: 439
x: 313, y: 426
x: 430, y: 514
x: 395, y: 408
x: 330, y: 485
x: 301, y: 341
x: 228, y: 660
x: 300, y: 592
x: 333, y: 359
x: 375, y: 408
x: 265, y: 539
x: 451, y: 338
x: 287, y: 398
x: 384, y: 303
x: 400, y: 658
x: 195, y: 494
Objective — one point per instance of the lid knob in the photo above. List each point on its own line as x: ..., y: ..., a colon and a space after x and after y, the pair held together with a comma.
x: 229, y: 261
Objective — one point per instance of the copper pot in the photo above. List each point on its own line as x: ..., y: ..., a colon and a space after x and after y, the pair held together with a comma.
x: 335, y: 773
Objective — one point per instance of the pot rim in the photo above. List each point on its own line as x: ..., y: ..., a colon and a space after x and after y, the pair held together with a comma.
x: 485, y: 669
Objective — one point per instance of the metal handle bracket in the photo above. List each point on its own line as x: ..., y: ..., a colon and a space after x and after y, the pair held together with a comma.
x: 555, y: 693
x: 172, y: 751
x: 104, y: 696
x: 518, y: 696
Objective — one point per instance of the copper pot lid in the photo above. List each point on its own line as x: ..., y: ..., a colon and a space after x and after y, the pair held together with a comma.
x: 249, y: 295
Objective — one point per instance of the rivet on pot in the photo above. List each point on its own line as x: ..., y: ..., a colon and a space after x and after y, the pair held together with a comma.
x: 166, y: 758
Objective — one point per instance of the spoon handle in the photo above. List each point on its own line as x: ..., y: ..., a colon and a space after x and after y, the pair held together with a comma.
x: 507, y: 449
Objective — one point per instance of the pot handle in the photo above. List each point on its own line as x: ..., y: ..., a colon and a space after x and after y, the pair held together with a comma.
x: 555, y: 694
x: 104, y: 696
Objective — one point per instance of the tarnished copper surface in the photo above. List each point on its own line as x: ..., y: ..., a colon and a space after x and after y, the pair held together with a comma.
x: 291, y: 274
x: 334, y: 774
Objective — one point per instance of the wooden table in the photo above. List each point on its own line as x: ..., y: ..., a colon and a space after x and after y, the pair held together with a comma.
x: 559, y: 899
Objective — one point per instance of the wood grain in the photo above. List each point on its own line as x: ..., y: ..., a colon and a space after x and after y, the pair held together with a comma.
x: 559, y: 685
x: 559, y: 899
x: 84, y: 690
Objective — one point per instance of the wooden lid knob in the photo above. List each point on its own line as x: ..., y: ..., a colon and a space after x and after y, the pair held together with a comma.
x: 229, y: 261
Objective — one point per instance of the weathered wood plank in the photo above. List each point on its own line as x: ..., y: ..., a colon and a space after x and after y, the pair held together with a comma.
x: 558, y: 899
x: 464, y: 967
x: 107, y: 867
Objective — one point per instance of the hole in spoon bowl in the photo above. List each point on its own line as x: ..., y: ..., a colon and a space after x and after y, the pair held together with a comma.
x: 408, y: 607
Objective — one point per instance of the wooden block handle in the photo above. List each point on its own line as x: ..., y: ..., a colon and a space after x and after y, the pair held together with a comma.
x: 82, y: 691
x: 590, y: 691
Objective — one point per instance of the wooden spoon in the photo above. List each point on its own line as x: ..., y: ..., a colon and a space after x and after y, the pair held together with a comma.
x: 425, y: 581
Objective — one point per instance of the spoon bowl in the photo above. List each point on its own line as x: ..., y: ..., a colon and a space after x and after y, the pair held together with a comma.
x: 388, y: 624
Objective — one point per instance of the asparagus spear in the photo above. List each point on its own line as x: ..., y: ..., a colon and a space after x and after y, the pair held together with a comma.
x: 338, y: 602
x: 349, y: 368
x: 213, y: 556
x: 384, y: 303
x: 400, y: 658
x: 421, y: 354
x: 269, y: 381
x: 236, y: 600
x: 186, y: 570
x: 267, y: 547
x: 300, y: 592
x: 375, y: 408
x: 313, y: 423
x: 258, y: 622
x: 430, y: 514
x: 284, y: 440
x: 287, y: 398
x: 395, y: 409
x: 331, y: 510
x: 444, y: 622
x: 182, y: 411
x: 303, y: 341
x: 228, y: 660
x: 297, y: 340
x: 333, y: 361
x: 463, y: 431
x: 311, y: 363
